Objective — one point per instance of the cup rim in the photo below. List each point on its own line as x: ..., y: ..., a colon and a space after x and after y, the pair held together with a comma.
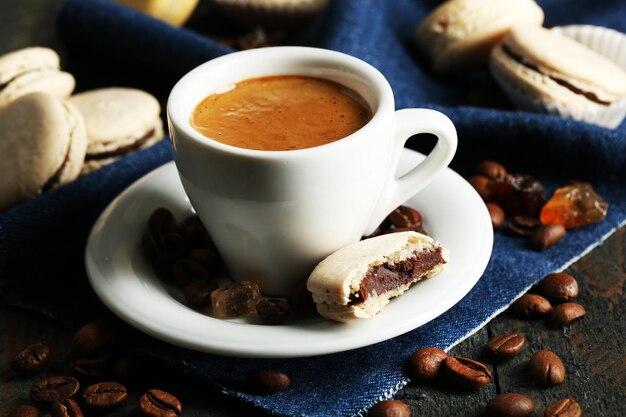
x: 378, y: 82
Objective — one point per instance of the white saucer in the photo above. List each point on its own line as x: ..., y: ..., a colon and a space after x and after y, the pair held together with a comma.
x: 123, y: 279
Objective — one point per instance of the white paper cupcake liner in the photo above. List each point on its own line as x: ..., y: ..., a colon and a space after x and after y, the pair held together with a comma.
x: 607, y: 42
x: 272, y: 14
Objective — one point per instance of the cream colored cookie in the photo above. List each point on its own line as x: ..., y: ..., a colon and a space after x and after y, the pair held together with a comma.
x: 538, y: 64
x: 461, y: 33
x: 43, y: 143
x: 358, y: 280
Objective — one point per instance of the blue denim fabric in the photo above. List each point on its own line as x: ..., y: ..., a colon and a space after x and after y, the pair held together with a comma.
x: 42, y: 240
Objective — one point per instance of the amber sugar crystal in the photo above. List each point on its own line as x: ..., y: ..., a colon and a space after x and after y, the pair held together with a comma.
x: 574, y: 205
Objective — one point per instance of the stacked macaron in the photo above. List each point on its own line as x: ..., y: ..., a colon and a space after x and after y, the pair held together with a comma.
x: 48, y: 140
x: 539, y: 69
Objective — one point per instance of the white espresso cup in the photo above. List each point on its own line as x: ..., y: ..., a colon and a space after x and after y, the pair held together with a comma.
x: 274, y: 215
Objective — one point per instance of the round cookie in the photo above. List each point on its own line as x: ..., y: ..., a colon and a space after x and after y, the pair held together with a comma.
x: 535, y: 63
x: 32, y: 69
x: 43, y: 143
x: 461, y: 33
x: 118, y: 121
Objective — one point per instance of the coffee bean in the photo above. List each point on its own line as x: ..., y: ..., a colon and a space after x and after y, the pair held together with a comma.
x: 192, y: 230
x: 198, y: 293
x: 481, y: 185
x: 96, y: 365
x: 506, y: 345
x: 150, y: 246
x: 405, y: 216
x: 531, y: 306
x: 546, y: 235
x: 187, y: 271
x: 546, y: 368
x: 164, y: 264
x: 32, y: 359
x: 105, y: 395
x: 93, y: 337
x: 497, y: 215
x: 53, y: 389
x: 173, y: 242
x: 510, y: 405
x: 157, y: 403
x: 267, y: 381
x: 523, y: 225
x: 23, y: 411
x: 566, y: 407
x: 161, y: 222
x: 424, y: 364
x: 390, y: 408
x: 208, y: 257
x: 491, y: 169
x: 272, y: 311
x: 559, y: 287
x: 467, y: 372
x: 66, y: 408
x: 565, y: 313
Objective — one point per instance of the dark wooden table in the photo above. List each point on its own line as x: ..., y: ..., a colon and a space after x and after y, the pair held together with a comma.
x: 592, y: 349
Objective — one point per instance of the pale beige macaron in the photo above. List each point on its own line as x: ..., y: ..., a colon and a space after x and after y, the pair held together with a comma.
x: 537, y: 64
x: 119, y: 121
x: 460, y: 34
x: 32, y: 69
x: 42, y: 143
x: 358, y: 280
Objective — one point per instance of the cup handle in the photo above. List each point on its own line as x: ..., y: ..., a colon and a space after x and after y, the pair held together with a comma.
x: 397, y: 190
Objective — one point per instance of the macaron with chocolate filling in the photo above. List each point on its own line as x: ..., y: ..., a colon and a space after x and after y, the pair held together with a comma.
x: 32, y: 69
x: 358, y: 280
x: 535, y: 64
x: 42, y: 143
x: 119, y: 121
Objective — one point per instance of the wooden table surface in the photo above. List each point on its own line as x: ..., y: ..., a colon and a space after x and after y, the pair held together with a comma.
x: 592, y: 349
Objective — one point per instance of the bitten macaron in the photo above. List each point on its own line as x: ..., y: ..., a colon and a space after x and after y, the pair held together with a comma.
x: 541, y: 70
x: 461, y: 33
x: 118, y: 121
x: 42, y: 143
x: 32, y: 69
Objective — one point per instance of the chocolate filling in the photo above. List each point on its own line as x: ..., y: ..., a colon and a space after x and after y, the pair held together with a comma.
x: 587, y: 94
x: 386, y: 277
x: 123, y: 150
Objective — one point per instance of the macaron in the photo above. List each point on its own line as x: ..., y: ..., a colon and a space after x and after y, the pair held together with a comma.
x: 537, y: 65
x: 33, y: 69
x: 118, y: 121
x: 460, y: 34
x: 42, y: 143
x: 357, y: 281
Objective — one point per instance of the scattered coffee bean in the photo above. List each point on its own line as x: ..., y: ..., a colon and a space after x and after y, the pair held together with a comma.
x: 497, y: 215
x: 547, y: 235
x: 566, y: 407
x: 510, y: 405
x: 390, y: 408
x: 192, y: 230
x: 32, y: 359
x: 187, y: 271
x: 559, y: 287
x: 481, y: 185
x: 164, y: 264
x: 405, y: 216
x: 53, y: 389
x: 66, y: 408
x: 157, y: 403
x: 23, y: 411
x: 424, y: 364
x: 546, y: 368
x: 467, y: 372
x: 267, y: 381
x: 506, y: 345
x: 272, y: 311
x: 105, y: 395
x: 161, y: 222
x: 531, y: 306
x: 491, y: 169
x: 198, y: 293
x: 565, y: 313
x: 93, y: 337
x: 150, y: 246
x: 173, y: 242
x: 523, y: 225
x: 208, y: 257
